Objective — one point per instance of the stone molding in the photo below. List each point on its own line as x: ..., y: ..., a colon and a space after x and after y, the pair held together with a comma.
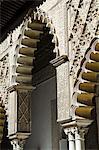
x: 59, y: 60
x: 80, y: 123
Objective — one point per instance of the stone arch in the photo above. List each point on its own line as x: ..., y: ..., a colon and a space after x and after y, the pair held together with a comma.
x: 85, y: 86
x: 37, y: 45
x: 38, y: 42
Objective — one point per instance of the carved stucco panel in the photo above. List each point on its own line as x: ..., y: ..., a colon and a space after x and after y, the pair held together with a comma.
x: 63, y: 93
x: 12, y: 111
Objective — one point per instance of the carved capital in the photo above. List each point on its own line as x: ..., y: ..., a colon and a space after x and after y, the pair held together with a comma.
x: 18, y: 140
x: 75, y: 127
x: 18, y: 144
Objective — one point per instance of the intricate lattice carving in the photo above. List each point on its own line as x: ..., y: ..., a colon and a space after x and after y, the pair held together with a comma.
x: 84, y: 28
x: 24, y: 111
x: 4, y: 79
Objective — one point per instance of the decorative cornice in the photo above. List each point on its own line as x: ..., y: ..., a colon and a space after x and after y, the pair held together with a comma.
x: 65, y: 121
x: 21, y: 136
x: 77, y: 123
x: 59, y: 60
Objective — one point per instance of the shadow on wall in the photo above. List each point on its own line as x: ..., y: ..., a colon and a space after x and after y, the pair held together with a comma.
x: 91, y: 142
x: 6, y: 145
x: 43, y: 129
x: 38, y: 148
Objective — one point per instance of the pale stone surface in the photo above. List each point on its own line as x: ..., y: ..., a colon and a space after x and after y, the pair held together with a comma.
x: 7, y: 61
x: 12, y: 111
x: 63, y: 93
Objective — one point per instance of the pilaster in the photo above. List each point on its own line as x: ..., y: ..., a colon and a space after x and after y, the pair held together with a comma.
x: 71, y: 140
x: 63, y: 93
x: 19, y: 120
x: 78, y: 140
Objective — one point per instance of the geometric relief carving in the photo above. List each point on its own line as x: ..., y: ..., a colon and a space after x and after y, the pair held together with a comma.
x: 24, y: 111
x: 4, y: 78
x: 82, y: 31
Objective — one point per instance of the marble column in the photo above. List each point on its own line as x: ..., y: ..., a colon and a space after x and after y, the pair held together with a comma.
x: 76, y: 135
x: 83, y: 139
x: 71, y: 138
x: 77, y: 140
x: 71, y: 141
x: 18, y: 144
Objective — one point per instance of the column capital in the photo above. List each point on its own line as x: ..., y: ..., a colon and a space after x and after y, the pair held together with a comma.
x: 78, y: 122
x: 18, y: 144
x: 18, y: 140
x: 59, y: 60
x: 75, y: 134
x: 70, y: 133
x: 74, y: 128
x: 69, y: 130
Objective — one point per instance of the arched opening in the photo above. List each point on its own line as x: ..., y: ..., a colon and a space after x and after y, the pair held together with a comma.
x: 37, y: 46
x: 44, y: 127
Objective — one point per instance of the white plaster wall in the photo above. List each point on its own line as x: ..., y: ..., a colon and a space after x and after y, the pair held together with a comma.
x: 41, y: 138
x: 56, y: 10
x: 12, y: 111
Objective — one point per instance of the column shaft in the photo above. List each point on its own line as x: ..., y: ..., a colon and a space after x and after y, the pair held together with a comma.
x: 83, y: 140
x: 77, y: 141
x: 17, y: 145
x: 71, y: 141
